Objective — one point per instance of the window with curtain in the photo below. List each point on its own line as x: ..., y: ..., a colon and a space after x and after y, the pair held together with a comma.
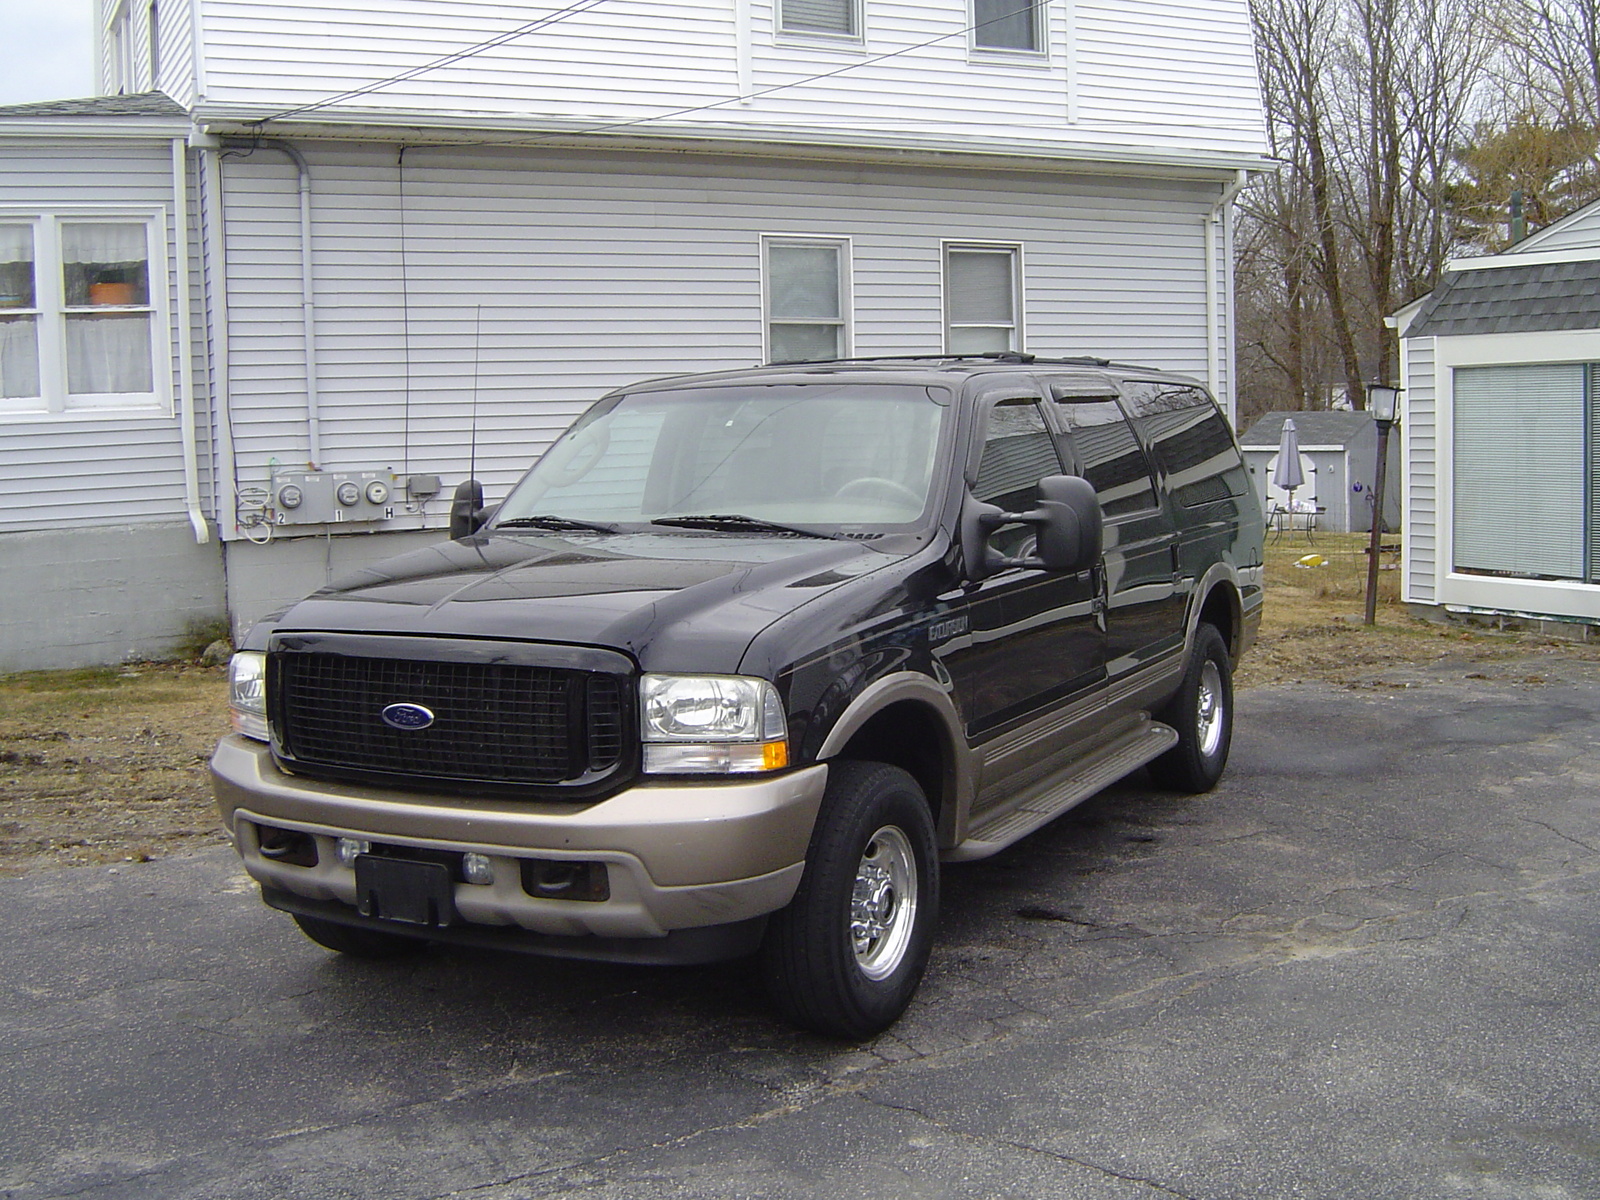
x: 820, y: 16
x: 77, y: 315
x: 806, y: 299
x: 19, y: 319
x: 105, y: 277
x: 981, y: 299
x: 1007, y: 24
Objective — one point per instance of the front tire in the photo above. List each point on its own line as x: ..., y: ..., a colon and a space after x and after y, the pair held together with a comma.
x: 357, y: 942
x: 1202, y: 713
x: 846, y: 956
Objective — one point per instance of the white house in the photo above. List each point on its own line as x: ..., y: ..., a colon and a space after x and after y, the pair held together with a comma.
x: 302, y: 268
x: 1501, y: 430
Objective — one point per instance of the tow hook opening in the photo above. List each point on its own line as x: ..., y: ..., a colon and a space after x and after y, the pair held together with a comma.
x: 288, y: 846
x: 549, y: 879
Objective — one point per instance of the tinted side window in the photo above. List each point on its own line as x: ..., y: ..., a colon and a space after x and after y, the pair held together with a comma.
x: 1109, y: 456
x: 1191, y: 442
x: 1018, y: 451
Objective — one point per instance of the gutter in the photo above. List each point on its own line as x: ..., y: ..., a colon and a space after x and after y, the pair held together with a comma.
x: 744, y: 138
x: 186, y: 422
x: 1213, y: 313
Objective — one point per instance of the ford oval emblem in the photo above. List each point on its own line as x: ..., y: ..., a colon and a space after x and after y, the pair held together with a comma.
x: 407, y: 716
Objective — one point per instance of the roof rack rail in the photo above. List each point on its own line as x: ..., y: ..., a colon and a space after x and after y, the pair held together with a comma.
x: 995, y: 356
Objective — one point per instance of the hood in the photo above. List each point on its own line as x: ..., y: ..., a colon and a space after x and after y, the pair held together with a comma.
x: 675, y: 602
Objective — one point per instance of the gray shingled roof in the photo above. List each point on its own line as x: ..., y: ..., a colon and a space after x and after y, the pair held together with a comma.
x: 145, y: 104
x: 1513, y: 299
x: 1314, y: 428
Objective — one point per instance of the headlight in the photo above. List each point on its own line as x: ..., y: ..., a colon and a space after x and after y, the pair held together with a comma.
x: 717, y: 724
x: 247, y: 693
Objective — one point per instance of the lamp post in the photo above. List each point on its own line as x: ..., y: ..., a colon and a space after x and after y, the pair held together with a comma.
x: 1383, y: 402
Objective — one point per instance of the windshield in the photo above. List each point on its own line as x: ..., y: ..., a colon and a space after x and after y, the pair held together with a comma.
x: 827, y: 457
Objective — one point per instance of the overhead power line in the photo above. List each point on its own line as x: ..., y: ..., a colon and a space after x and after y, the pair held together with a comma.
x: 580, y: 7
x: 577, y: 8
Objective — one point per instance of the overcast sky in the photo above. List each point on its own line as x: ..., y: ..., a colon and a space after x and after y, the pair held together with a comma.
x: 46, y: 50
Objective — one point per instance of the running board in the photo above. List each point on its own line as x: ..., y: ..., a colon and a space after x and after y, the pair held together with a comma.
x: 995, y: 831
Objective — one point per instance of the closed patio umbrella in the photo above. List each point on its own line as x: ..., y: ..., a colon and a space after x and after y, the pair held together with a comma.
x: 1287, y: 473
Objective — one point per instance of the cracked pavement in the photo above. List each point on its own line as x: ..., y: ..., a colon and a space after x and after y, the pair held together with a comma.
x: 1366, y: 966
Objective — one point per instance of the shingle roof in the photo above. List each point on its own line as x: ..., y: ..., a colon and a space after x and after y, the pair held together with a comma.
x: 144, y: 104
x: 1315, y: 428
x: 1513, y: 299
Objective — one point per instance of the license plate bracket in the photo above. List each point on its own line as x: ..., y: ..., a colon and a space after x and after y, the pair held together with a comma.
x: 398, y: 889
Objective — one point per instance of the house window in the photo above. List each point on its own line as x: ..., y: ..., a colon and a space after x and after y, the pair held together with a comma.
x: 807, y: 299
x: 840, y: 17
x: 1525, y: 471
x: 1007, y: 24
x: 77, y: 315
x: 981, y: 299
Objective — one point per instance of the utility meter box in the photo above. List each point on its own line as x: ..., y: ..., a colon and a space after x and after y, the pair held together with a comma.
x: 331, y: 497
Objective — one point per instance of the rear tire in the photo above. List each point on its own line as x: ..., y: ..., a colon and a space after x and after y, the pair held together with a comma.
x: 1202, y: 713
x: 846, y: 956
x: 358, y: 942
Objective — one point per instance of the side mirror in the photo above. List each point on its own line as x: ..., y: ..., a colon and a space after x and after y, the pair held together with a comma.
x: 1072, y: 537
x: 1070, y: 529
x: 466, y: 510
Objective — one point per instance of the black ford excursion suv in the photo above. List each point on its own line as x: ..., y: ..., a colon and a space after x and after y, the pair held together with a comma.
x: 743, y: 657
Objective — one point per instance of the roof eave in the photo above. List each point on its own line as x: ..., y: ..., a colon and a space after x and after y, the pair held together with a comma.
x: 735, y: 139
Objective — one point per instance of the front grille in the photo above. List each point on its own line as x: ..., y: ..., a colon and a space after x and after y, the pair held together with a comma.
x: 493, y: 722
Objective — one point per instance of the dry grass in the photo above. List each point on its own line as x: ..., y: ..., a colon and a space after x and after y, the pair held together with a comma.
x: 1313, y: 628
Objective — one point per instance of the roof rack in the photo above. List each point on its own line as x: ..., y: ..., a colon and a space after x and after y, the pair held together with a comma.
x: 1011, y: 357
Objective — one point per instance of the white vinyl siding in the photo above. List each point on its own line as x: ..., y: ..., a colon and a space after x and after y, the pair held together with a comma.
x: 1162, y: 75
x: 806, y: 288
x: 91, y: 466
x: 1519, y: 470
x: 1419, y: 498
x: 983, y: 298
x: 589, y: 275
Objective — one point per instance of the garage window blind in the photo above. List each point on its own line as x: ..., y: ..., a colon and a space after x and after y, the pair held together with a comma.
x: 1521, y: 488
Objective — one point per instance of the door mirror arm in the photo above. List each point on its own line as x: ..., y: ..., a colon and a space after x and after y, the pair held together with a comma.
x: 467, y: 514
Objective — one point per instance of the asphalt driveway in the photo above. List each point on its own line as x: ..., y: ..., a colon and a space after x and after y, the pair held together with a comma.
x: 1366, y: 966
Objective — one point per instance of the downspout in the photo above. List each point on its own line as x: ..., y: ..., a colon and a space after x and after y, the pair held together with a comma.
x: 308, y: 304
x: 212, y: 218
x: 1213, y: 336
x: 191, y: 452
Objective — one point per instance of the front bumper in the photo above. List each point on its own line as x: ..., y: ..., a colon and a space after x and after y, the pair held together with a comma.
x: 678, y: 856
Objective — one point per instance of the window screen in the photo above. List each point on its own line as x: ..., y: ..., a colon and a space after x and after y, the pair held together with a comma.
x: 818, y: 16
x: 1006, y: 24
x: 980, y: 299
x: 1519, y: 487
x: 805, y: 301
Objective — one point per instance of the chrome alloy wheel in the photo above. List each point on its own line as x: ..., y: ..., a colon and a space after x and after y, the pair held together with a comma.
x: 1209, y: 715
x: 883, y: 905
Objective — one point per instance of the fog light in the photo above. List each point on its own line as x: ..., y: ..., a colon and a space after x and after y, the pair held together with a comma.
x: 477, y: 868
x: 348, y: 848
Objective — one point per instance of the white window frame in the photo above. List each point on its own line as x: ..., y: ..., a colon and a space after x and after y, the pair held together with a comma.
x: 1040, y: 51
x: 857, y: 19
x: 1018, y: 323
x: 51, y: 313
x: 846, y: 318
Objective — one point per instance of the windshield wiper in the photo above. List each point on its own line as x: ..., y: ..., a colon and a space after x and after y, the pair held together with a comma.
x: 552, y: 522
x: 739, y: 523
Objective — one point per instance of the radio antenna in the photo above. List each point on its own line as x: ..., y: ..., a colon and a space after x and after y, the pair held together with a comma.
x: 477, y: 357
